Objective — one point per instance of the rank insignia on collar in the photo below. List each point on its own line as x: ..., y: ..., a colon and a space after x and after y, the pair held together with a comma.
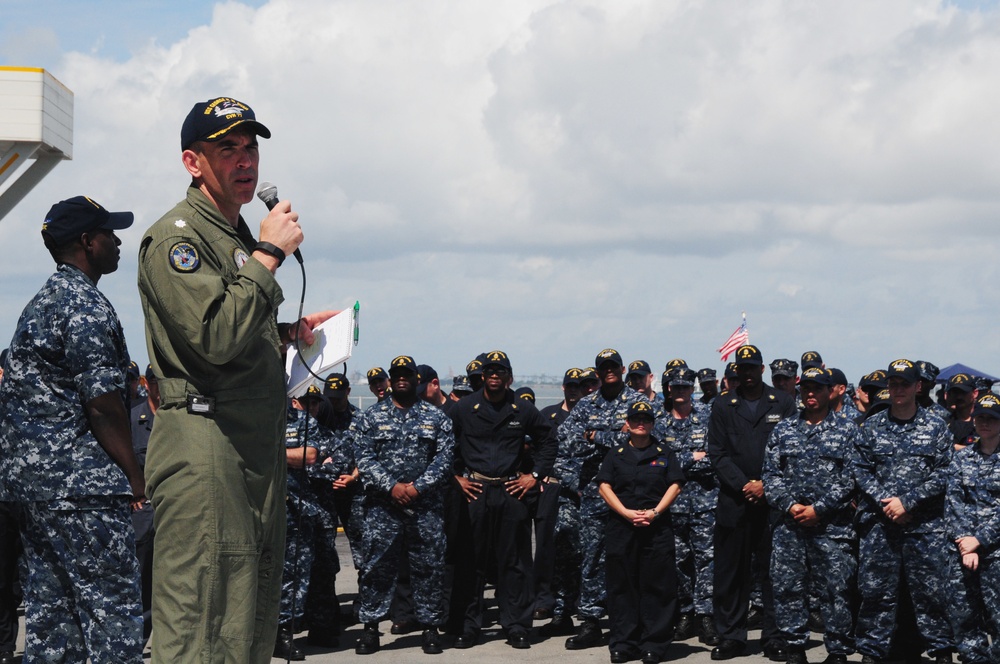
x: 240, y: 257
x: 184, y: 257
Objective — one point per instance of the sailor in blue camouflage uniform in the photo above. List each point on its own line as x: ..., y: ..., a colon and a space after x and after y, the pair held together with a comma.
x: 566, y: 541
x: 640, y: 378
x: 593, y: 427
x: 66, y: 455
x: 335, y: 479
x: 405, y: 448
x: 684, y: 429
x: 928, y: 381
x: 307, y: 523
x: 841, y: 403
x: 783, y: 375
x: 973, y: 518
x: 709, y: 384
x: 808, y: 481
x: 901, y: 468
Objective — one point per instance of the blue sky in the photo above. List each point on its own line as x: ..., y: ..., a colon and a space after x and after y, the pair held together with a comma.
x: 553, y: 178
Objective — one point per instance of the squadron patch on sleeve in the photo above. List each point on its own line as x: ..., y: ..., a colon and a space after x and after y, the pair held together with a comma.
x: 240, y: 257
x: 184, y: 257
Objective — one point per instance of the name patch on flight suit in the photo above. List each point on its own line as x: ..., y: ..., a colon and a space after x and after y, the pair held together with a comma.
x: 184, y: 257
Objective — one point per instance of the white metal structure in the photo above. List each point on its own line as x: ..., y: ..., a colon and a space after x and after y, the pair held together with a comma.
x: 36, y: 124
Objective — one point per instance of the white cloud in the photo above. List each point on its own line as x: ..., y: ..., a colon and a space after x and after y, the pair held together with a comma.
x: 557, y: 177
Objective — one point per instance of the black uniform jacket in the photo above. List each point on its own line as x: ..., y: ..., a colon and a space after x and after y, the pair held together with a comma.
x: 491, y: 441
x: 737, y: 437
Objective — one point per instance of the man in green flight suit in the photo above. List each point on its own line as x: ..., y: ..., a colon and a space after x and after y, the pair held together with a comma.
x: 215, y: 465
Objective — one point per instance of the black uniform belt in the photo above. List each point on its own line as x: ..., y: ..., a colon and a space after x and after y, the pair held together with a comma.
x: 490, y: 481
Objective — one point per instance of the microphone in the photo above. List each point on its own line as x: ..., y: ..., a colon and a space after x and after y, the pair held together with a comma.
x: 269, y: 194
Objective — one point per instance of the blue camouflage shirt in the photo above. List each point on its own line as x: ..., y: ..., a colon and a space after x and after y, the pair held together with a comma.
x: 303, y: 429
x: 908, y: 460
x: 393, y: 445
x: 68, y: 349
x: 684, y: 437
x: 810, y: 464
x: 577, y: 459
x: 973, y: 499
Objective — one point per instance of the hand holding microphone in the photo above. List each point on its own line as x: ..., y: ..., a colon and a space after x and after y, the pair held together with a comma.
x: 279, y: 229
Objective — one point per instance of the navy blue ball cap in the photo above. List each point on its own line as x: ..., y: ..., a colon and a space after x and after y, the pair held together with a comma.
x: 817, y: 375
x: 69, y: 219
x: 838, y: 377
x: 706, y: 375
x: 811, y: 358
x: 335, y: 384
x: 402, y: 363
x: 211, y: 120
x: 377, y: 374
x: 638, y: 368
x: 497, y: 358
x: 525, y: 393
x: 903, y: 368
x: 641, y: 408
x: 608, y: 355
x: 961, y: 381
x: 988, y: 404
x: 749, y: 354
x: 573, y: 376
x: 425, y: 374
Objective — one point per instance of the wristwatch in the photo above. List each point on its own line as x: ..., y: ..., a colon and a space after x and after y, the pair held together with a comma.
x: 538, y: 478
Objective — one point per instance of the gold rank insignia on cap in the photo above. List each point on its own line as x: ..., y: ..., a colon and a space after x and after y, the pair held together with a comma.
x: 607, y: 352
x: 496, y: 356
x: 990, y: 401
x: 402, y: 361
x: 902, y: 365
x: 184, y: 257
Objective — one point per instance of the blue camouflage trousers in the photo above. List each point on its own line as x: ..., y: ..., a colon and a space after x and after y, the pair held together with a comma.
x: 695, y: 554
x: 799, y: 559
x: 566, y: 572
x: 978, y: 600
x: 81, y: 595
x: 593, y: 584
x: 385, y: 530
x: 311, y: 565
x: 885, y: 557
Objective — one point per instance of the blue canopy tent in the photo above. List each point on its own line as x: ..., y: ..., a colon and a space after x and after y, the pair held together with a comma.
x: 953, y: 369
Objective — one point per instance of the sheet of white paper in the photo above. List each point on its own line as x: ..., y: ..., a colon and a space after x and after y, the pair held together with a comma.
x: 333, y: 345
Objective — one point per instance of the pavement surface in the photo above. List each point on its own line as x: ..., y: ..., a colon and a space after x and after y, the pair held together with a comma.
x: 404, y: 649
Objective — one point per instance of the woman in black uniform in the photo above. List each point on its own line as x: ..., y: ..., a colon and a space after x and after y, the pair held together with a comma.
x: 639, y: 480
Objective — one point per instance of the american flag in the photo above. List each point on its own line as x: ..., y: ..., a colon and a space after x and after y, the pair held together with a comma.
x: 738, y: 338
